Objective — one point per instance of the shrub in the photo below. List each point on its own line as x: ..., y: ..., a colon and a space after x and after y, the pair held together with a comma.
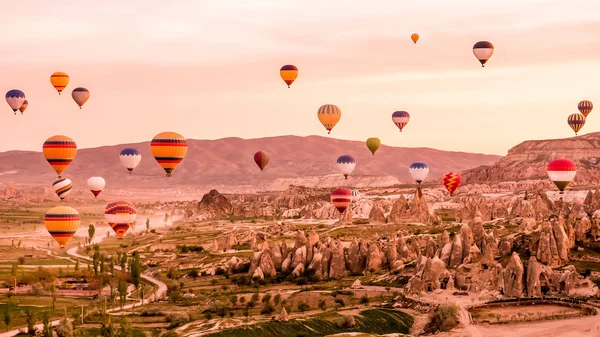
x: 267, y: 309
x: 364, y: 299
x: 177, y: 319
x: 152, y: 312
x: 444, y: 318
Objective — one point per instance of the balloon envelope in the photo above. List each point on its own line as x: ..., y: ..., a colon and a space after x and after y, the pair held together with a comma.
x: 15, y: 99
x: 576, y: 122
x: 373, y: 144
x: 585, y: 107
x: 288, y: 74
x: 451, y: 181
x: 80, y: 96
x: 561, y: 171
x: 62, y: 223
x: 418, y: 171
x: 62, y: 187
x: 346, y: 165
x: 414, y: 38
x: 261, y: 158
x: 169, y: 149
x: 341, y: 198
x: 355, y: 194
x: 130, y: 158
x: 329, y: 115
x: 24, y: 106
x: 96, y: 185
x: 59, y: 81
x: 59, y: 151
x: 120, y: 215
x: 400, y: 118
x: 483, y: 50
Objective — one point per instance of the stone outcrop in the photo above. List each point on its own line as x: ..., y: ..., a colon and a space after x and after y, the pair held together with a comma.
x: 513, y: 277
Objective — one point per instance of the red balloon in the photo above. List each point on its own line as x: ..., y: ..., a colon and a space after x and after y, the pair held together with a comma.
x: 341, y: 198
x: 261, y: 158
x: 451, y: 180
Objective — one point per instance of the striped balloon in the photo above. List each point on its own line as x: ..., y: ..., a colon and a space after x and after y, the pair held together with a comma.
x: 62, y: 223
x: 483, y: 50
x: 15, y: 99
x: 59, y: 151
x: 130, y: 158
x: 169, y: 149
x: 80, y: 96
x: 451, y: 180
x: 355, y: 194
x: 24, y: 106
x: 62, y: 187
x: 341, y: 198
x: 576, y: 122
x: 120, y: 215
x: 400, y: 118
x: 585, y: 107
x: 96, y: 185
x: 418, y: 171
x: 59, y: 81
x: 329, y: 115
x: 288, y: 74
x: 261, y: 158
x: 346, y: 165
x: 561, y: 171
x: 373, y: 144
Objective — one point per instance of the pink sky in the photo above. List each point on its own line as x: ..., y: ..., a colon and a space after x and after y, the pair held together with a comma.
x: 210, y: 69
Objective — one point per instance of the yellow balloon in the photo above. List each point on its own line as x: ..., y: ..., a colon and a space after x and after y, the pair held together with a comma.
x: 59, y: 81
x: 329, y: 115
x: 373, y: 144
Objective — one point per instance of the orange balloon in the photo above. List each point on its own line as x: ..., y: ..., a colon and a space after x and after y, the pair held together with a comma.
x: 414, y: 37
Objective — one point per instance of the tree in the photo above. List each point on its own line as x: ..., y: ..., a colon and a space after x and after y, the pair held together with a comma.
x: 136, y: 269
x: 106, y: 328
x: 125, y: 328
x: 64, y: 328
x: 30, y: 319
x: 322, y: 304
x: 19, y: 244
x: 47, y: 327
x: 91, y: 232
x: 7, y: 318
x: 302, y: 307
x: 444, y: 318
x: 122, y: 292
x: 77, y: 265
x: 266, y: 298
x: 166, y: 218
x: 13, y: 269
x: 234, y: 300
x: 277, y: 299
x: 123, y: 262
x: 148, y: 224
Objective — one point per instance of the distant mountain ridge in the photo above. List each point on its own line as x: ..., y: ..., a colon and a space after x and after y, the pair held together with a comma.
x: 227, y: 164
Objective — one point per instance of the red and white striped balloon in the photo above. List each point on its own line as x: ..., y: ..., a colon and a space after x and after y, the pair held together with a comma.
x: 341, y: 198
x: 561, y: 171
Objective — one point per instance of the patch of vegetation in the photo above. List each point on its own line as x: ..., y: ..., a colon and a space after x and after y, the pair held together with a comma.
x: 444, y: 318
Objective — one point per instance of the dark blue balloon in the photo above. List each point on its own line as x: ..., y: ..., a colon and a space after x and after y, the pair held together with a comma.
x: 14, y: 93
x: 130, y: 152
x: 346, y: 159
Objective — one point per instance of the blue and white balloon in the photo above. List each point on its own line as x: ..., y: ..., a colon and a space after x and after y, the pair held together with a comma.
x: 346, y: 165
x: 418, y: 171
x: 130, y: 158
x: 15, y: 99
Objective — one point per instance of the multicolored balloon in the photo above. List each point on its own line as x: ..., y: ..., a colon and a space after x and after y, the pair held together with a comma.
x: 62, y: 222
x: 96, y: 185
x: 15, y: 99
x: 80, y: 96
x: 329, y: 115
x: 130, y: 158
x: 373, y: 144
x: 120, y: 215
x: 341, y: 198
x: 261, y: 158
x: 451, y: 180
x: 24, y: 106
x: 418, y: 171
x: 585, y: 107
x: 59, y: 81
x: 400, y: 118
x: 59, y: 151
x: 169, y: 149
x: 62, y: 187
x: 561, y: 171
x: 414, y: 38
x: 483, y: 50
x: 355, y: 195
x: 346, y: 165
x: 288, y: 74
x: 576, y: 122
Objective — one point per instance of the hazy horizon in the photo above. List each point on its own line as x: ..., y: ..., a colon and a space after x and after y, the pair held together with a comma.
x: 212, y: 71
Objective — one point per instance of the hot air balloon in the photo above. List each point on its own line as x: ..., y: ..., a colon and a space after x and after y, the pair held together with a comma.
x: 346, y: 165
x: 288, y: 74
x: 341, y: 198
x: 96, y: 185
x: 80, y: 96
x: 576, y: 122
x: 59, y: 80
x: 585, y: 107
x: 451, y: 180
x: 261, y: 158
x: 373, y: 144
x: 400, y: 118
x: 62, y: 223
x: 62, y: 187
x: 120, y: 215
x: 329, y: 115
x: 130, y: 158
x: 561, y: 171
x: 59, y: 151
x: 355, y: 194
x: 24, y: 106
x: 169, y: 149
x: 483, y: 50
x: 418, y: 171
x: 15, y: 99
x: 414, y: 38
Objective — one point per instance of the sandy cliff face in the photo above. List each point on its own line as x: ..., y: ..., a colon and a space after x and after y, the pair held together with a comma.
x: 528, y: 160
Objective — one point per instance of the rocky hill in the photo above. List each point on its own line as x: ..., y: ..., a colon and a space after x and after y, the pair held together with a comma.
x: 528, y: 160
x: 227, y: 164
